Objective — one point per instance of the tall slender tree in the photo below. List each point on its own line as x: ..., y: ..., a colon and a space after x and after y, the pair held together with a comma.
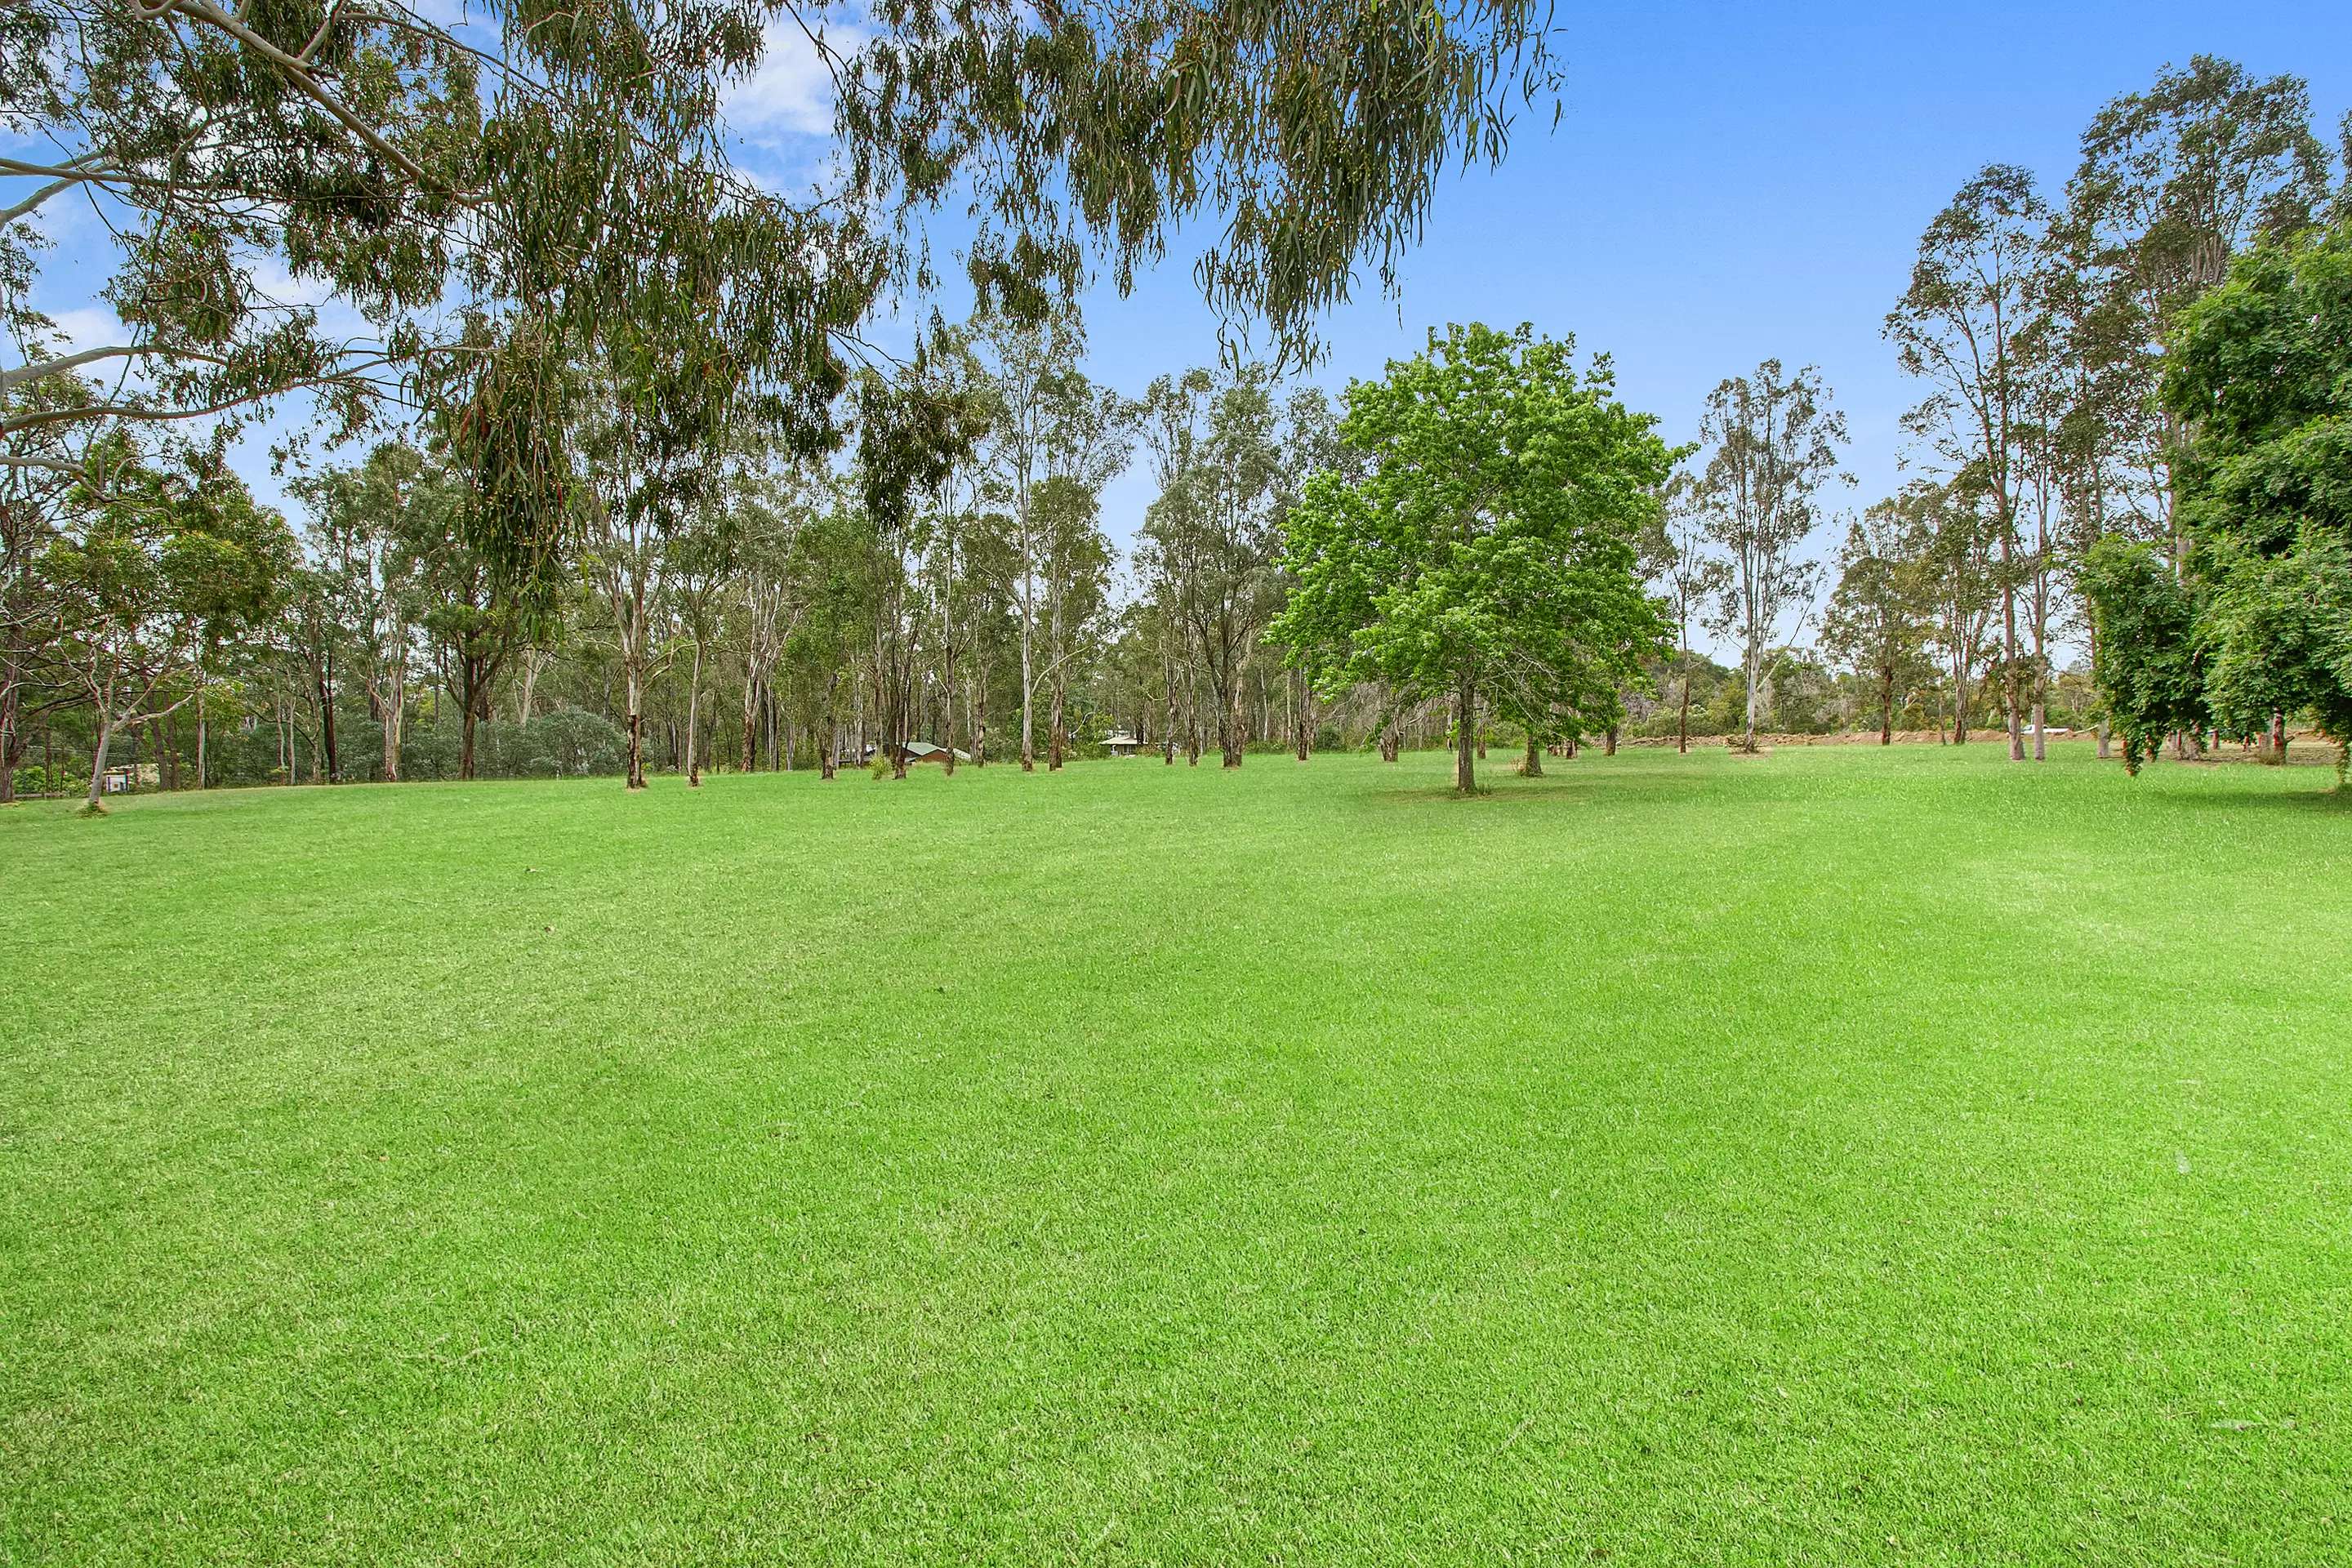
x: 1771, y: 441
x: 1962, y: 327
x: 1676, y: 562
x: 1211, y: 537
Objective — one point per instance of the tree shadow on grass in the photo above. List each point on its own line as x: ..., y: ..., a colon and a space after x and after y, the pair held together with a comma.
x: 1551, y: 789
x: 2329, y: 800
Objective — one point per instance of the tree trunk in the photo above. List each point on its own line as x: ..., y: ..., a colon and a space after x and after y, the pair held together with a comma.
x: 327, y: 715
x: 1231, y: 739
x: 1752, y: 662
x: 2106, y: 741
x: 97, y: 755
x: 637, y: 726
x: 1682, y: 730
x: 1466, y: 726
x: 2013, y: 717
x: 1533, y: 767
x: 1887, y: 705
x: 1028, y: 683
x: 12, y: 744
x: 2041, y: 753
x: 751, y: 707
x: 394, y: 712
x: 1302, y: 705
x: 2278, y: 738
x: 693, y: 712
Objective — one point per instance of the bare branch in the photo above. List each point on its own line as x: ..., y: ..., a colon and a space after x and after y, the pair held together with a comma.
x: 326, y: 26
x: 63, y: 182
x: 33, y: 421
x: 55, y: 465
x: 65, y: 363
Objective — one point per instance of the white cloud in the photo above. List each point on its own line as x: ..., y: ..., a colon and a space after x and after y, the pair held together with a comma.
x: 791, y: 92
x: 90, y: 327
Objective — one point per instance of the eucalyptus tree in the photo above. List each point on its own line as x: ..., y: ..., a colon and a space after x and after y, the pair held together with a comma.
x: 1211, y: 538
x: 1963, y: 327
x: 1963, y: 580
x: 957, y: 568
x: 1313, y: 129
x: 916, y: 432
x: 1676, y: 560
x: 1771, y: 443
x: 1489, y: 547
x: 156, y: 559
x: 772, y: 506
x: 704, y: 563
x: 1031, y: 370
x: 36, y: 484
x: 648, y: 518
x: 840, y: 565
x: 375, y: 531
x: 1076, y: 568
x: 1088, y: 442
x: 1880, y: 614
x: 2173, y: 183
x: 472, y: 615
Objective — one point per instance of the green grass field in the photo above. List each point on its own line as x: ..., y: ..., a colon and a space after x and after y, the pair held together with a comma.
x: 1845, y: 1157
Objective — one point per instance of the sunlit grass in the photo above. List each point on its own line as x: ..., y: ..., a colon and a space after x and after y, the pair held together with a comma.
x: 1843, y: 1157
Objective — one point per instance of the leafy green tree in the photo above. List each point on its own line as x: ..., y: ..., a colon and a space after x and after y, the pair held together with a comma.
x: 2261, y: 373
x: 1963, y: 573
x: 1488, y: 546
x: 2147, y: 665
x: 472, y: 615
x: 1211, y: 536
x: 372, y: 533
x: 159, y: 559
x: 36, y: 481
x: 1880, y: 614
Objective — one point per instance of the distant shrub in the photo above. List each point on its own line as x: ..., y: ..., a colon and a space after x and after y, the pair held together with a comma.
x: 35, y: 780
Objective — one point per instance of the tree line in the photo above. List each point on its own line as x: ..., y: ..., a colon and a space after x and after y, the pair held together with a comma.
x: 522, y: 236
x: 679, y: 521
x: 2107, y: 373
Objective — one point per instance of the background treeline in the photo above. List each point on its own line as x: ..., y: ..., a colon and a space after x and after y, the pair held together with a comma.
x: 944, y: 580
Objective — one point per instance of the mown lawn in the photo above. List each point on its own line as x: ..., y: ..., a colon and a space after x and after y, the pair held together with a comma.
x: 1845, y: 1157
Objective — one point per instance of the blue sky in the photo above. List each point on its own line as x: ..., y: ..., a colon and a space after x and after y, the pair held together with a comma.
x: 1728, y: 183
x: 1733, y: 182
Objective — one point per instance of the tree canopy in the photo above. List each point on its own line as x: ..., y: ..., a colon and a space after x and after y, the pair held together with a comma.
x: 1488, y: 546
